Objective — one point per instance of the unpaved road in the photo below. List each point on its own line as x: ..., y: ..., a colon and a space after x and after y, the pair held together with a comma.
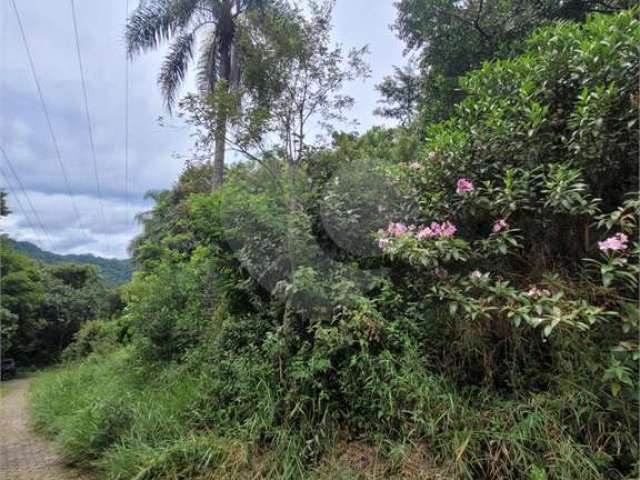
x: 23, y: 454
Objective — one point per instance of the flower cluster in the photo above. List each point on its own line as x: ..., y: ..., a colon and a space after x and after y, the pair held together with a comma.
x: 434, y: 230
x: 383, y: 243
x: 442, y: 230
x: 399, y: 229
x: 463, y: 186
x: 499, y: 225
x: 615, y: 243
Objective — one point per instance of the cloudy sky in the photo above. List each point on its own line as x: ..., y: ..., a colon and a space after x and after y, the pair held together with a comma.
x: 154, y: 151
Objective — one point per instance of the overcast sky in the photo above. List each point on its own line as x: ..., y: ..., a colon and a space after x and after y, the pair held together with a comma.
x: 154, y: 151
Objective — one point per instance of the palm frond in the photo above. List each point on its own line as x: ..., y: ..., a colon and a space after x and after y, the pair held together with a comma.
x: 207, y: 73
x: 175, y: 66
x: 157, y: 21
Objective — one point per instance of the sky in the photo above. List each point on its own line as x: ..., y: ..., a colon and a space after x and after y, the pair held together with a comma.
x: 157, y: 150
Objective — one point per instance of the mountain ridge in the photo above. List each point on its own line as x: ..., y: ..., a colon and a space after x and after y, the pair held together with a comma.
x: 114, y: 271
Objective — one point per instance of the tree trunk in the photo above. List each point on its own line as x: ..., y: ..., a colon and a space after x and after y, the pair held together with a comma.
x: 219, y: 152
x: 226, y: 29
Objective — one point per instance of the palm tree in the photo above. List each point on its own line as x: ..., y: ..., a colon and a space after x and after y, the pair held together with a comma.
x: 209, y: 25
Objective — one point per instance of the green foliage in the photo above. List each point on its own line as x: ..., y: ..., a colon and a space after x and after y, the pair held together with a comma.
x: 22, y: 293
x: 400, y: 95
x: 515, y: 137
x: 490, y: 333
x: 45, y: 305
x: 530, y: 110
x: 99, y: 337
x: 452, y: 38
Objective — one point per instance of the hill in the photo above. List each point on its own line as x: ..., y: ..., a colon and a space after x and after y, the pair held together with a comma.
x: 114, y: 271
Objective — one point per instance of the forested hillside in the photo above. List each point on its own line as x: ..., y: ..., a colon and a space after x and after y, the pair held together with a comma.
x: 44, y: 306
x: 454, y: 297
x: 114, y: 271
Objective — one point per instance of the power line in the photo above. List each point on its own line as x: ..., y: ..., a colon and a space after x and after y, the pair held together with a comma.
x: 19, y: 203
x: 26, y: 195
x: 54, y: 140
x: 88, y: 118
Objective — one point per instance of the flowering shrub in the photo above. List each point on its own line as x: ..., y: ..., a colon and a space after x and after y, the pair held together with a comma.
x: 519, y: 243
x: 476, y: 294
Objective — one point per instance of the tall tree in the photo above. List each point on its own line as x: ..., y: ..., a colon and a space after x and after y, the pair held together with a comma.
x: 212, y: 24
x: 452, y: 37
x: 400, y: 95
x: 306, y: 74
x: 4, y: 209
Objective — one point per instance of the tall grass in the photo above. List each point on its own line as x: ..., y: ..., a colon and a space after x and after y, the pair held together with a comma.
x: 107, y: 414
x: 170, y: 424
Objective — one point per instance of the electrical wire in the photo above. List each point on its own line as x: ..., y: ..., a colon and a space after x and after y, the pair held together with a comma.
x: 88, y: 120
x: 26, y: 195
x: 45, y: 110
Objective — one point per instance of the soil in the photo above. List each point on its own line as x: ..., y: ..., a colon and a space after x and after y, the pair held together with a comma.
x: 24, y: 455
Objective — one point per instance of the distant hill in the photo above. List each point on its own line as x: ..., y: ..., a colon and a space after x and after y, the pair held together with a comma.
x: 115, y: 272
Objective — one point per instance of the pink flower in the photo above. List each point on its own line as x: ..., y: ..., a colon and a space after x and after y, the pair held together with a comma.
x: 444, y: 230
x: 415, y: 166
x: 383, y: 243
x: 617, y: 242
x: 426, y: 232
x: 397, y: 229
x: 464, y: 186
x: 447, y: 229
x: 475, y: 274
x: 500, y: 225
x: 432, y: 157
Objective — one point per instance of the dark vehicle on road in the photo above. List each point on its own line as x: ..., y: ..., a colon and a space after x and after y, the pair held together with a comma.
x: 7, y: 369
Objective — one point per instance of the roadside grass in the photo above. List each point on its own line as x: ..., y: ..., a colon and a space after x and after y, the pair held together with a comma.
x: 126, y: 422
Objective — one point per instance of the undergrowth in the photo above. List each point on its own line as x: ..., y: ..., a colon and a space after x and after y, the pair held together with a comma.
x: 175, y: 424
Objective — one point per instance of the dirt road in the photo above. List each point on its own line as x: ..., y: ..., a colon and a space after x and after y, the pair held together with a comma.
x: 23, y: 454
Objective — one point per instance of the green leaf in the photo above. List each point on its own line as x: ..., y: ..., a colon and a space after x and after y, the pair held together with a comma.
x: 615, y: 389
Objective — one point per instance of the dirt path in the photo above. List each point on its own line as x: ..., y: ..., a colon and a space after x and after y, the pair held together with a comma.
x: 23, y: 454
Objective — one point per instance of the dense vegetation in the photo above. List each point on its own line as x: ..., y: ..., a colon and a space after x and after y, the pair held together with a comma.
x: 115, y: 272
x: 44, y: 306
x: 450, y: 299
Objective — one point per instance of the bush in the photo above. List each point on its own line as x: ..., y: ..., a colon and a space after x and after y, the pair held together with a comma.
x: 98, y: 336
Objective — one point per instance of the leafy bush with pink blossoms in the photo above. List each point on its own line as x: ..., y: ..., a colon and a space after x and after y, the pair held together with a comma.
x: 528, y: 223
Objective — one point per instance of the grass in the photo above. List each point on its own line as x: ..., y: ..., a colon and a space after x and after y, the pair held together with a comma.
x: 127, y: 422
